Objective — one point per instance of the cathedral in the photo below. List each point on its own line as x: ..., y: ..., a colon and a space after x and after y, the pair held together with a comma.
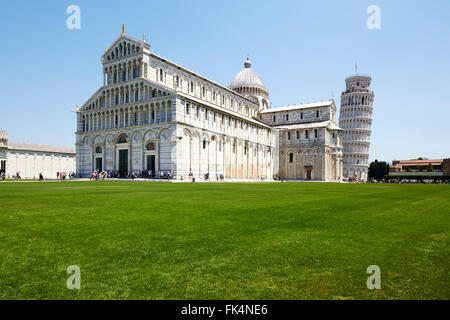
x: 152, y: 114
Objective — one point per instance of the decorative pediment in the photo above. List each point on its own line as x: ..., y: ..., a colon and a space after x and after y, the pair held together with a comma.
x: 88, y: 105
x: 154, y: 90
x: 124, y: 46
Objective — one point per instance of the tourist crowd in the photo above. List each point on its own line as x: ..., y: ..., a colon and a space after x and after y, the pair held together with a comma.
x: 149, y: 174
x: 409, y: 181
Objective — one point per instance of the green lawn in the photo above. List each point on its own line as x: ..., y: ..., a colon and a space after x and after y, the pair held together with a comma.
x: 137, y: 240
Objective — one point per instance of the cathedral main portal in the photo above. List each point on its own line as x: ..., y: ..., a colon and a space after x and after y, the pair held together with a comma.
x: 123, y: 163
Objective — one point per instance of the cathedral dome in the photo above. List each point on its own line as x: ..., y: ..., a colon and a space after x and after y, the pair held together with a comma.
x: 247, y: 81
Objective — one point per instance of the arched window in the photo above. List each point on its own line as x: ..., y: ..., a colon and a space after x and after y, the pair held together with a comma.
x: 291, y: 157
x: 98, y: 150
x: 122, y: 139
x: 150, y: 146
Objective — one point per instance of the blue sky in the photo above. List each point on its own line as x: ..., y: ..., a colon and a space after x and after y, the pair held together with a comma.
x: 303, y: 50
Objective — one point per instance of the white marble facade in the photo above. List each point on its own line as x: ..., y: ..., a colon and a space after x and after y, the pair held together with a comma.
x: 309, y: 141
x: 356, y: 121
x: 153, y: 114
x: 29, y: 160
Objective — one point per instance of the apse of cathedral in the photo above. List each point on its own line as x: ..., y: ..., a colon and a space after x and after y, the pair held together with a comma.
x: 154, y: 115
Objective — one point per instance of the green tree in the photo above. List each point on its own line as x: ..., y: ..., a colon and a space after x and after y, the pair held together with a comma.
x: 378, y: 170
x: 430, y: 168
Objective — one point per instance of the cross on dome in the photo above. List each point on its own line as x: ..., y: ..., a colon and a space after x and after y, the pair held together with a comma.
x: 247, y: 63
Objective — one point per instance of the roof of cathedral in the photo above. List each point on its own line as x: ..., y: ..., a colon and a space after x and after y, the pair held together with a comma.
x: 247, y: 78
x: 311, y: 125
x: 39, y: 147
x: 300, y: 106
x: 224, y: 110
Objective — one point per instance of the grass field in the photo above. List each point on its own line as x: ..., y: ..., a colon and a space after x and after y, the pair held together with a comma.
x: 137, y: 240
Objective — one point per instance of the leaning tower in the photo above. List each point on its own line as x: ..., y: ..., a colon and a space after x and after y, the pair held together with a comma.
x: 356, y: 121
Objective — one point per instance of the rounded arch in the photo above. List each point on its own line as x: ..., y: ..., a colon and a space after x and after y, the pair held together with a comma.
x: 164, y: 134
x: 98, y: 139
x: 187, y: 133
x: 150, y: 145
x: 197, y: 134
x: 122, y: 138
x: 109, y: 138
x: 205, y: 137
x: 264, y: 104
x: 149, y: 134
x: 86, y: 140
